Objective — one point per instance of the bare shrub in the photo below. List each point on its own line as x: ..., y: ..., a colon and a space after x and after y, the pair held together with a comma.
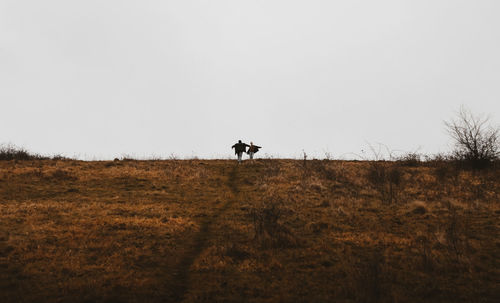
x: 477, y: 143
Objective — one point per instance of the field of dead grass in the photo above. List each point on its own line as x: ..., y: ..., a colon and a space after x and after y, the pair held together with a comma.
x: 263, y: 231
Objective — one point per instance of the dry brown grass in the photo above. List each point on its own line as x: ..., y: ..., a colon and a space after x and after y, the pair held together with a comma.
x: 266, y: 231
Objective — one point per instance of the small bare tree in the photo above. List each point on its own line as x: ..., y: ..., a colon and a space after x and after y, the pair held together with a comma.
x: 476, y: 141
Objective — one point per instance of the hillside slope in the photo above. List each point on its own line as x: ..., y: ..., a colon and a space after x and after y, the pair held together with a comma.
x: 262, y: 231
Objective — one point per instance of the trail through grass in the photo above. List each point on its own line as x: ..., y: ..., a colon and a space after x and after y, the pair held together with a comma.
x: 180, y: 286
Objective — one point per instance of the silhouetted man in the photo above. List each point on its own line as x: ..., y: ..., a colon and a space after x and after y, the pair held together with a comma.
x: 252, y: 150
x: 239, y: 149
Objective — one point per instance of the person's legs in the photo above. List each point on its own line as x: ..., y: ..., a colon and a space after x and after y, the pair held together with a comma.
x: 239, y: 157
x: 251, y: 155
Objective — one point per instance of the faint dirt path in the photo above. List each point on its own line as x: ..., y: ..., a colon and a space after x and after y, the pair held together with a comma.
x: 199, y: 242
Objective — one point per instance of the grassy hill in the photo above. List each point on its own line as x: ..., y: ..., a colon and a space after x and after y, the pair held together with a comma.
x: 262, y: 231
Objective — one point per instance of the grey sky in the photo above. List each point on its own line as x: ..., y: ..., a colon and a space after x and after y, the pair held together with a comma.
x: 106, y: 78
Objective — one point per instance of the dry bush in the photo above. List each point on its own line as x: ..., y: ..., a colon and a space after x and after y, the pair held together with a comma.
x: 477, y: 144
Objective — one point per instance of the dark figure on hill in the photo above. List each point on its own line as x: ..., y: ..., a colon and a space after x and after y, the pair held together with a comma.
x: 239, y: 149
x: 252, y: 150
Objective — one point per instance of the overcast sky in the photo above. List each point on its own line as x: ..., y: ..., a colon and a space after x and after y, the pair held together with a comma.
x: 99, y: 79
